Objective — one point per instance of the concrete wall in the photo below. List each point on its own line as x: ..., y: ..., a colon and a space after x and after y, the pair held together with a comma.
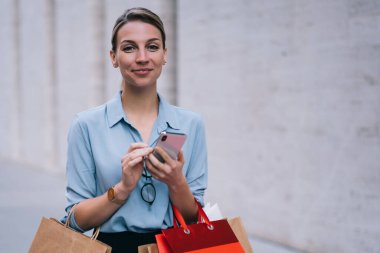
x: 9, y: 109
x: 55, y: 63
x: 289, y: 90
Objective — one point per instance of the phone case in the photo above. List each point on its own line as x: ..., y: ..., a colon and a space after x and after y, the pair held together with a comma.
x: 171, y: 143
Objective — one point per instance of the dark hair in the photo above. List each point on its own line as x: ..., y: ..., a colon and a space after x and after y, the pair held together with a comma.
x: 137, y: 14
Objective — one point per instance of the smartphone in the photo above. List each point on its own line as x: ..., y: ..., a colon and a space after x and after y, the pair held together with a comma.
x: 171, y: 143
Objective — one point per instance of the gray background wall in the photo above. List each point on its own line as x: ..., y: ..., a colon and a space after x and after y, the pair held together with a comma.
x: 289, y: 91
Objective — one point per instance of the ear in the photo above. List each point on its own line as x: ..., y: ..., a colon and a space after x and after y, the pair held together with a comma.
x: 113, y: 59
x: 165, y: 56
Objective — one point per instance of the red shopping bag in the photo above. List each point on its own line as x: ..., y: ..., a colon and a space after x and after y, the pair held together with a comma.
x: 205, y: 236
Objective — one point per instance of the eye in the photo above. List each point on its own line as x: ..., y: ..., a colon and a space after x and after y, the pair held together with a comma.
x: 152, y: 47
x: 129, y: 49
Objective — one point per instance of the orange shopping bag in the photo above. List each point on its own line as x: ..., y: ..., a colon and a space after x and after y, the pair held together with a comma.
x: 205, y: 236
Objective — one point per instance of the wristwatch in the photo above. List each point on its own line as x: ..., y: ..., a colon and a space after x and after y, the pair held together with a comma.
x: 112, y: 197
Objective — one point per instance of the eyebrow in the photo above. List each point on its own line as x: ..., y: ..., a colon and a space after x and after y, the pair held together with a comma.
x: 133, y: 42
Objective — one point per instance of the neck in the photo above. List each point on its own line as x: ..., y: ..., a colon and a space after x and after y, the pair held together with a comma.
x: 138, y: 101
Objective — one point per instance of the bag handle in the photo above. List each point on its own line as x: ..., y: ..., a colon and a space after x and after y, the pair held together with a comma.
x: 202, y: 218
x: 67, y: 224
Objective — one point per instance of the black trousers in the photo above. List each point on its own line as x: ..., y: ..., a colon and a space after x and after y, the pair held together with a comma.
x: 127, y: 242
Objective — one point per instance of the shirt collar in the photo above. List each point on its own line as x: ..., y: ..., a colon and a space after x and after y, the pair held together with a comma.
x: 114, y: 110
x: 167, y: 116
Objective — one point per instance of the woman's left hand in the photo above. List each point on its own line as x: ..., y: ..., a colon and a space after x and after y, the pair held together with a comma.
x: 169, y: 172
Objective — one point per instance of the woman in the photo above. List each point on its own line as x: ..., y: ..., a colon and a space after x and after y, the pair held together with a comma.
x: 110, y: 162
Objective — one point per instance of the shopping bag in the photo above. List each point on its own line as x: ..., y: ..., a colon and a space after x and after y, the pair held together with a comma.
x: 241, y: 234
x: 148, y: 248
x: 214, y: 213
x: 54, y: 236
x: 205, y: 236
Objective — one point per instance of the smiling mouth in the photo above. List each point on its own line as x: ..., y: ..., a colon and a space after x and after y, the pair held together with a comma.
x: 142, y: 71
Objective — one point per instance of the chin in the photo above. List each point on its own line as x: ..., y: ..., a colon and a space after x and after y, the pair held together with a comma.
x: 141, y: 85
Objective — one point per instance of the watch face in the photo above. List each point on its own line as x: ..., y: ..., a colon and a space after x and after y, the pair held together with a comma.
x: 111, y: 194
x: 111, y: 197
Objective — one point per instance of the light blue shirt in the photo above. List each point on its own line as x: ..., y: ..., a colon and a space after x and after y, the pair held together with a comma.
x: 97, y: 140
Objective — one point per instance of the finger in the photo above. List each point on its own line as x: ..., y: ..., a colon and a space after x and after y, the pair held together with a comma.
x: 140, y: 152
x: 135, y: 161
x: 162, y: 168
x: 144, y: 152
x: 154, y: 161
x: 125, y: 160
x: 181, y: 157
x: 128, y: 164
x: 165, y: 156
x: 156, y: 173
x: 137, y: 145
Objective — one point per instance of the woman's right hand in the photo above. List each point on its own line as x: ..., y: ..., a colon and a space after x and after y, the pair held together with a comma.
x: 93, y: 212
x: 132, y: 165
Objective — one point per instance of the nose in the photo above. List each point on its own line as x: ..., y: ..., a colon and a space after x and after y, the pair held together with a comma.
x: 142, y: 57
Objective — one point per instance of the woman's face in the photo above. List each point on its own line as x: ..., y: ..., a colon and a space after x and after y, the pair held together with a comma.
x: 139, y: 53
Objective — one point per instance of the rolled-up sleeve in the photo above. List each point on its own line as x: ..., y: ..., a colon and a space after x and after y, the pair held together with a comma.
x: 80, y: 168
x: 197, y: 174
